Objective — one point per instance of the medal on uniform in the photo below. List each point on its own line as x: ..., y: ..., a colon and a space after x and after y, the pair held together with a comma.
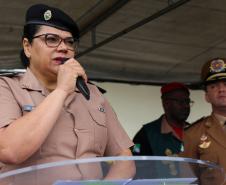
x: 168, y: 152
x: 204, y: 142
x: 203, y: 138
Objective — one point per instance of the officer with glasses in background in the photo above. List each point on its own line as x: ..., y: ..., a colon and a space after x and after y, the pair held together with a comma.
x: 44, y: 118
x: 164, y: 136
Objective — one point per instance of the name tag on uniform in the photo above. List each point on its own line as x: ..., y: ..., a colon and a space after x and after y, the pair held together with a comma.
x: 28, y: 108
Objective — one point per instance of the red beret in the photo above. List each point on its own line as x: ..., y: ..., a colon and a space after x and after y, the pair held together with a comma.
x: 173, y: 86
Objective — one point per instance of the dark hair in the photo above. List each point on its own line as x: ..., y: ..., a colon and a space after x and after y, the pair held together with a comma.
x: 29, y: 31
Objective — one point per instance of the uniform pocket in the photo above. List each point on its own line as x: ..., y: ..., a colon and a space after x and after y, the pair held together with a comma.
x: 99, y: 130
x: 98, y: 115
x: 84, y: 142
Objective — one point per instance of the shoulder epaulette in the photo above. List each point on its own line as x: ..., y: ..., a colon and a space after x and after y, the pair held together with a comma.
x: 99, y: 88
x: 11, y: 72
x: 10, y: 75
x: 194, y: 123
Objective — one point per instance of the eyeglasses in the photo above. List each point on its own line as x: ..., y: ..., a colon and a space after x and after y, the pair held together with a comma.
x: 182, y: 101
x: 54, y: 40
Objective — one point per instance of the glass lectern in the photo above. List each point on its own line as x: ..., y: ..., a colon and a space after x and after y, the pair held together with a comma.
x: 150, y: 170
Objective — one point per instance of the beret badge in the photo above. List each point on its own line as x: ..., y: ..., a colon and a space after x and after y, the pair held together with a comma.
x: 217, y: 66
x: 47, y: 15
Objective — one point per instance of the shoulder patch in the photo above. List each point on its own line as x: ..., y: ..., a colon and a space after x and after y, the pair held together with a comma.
x: 194, y: 123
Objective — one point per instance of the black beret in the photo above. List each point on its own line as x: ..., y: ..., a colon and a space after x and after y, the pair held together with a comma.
x: 214, y: 70
x: 45, y: 15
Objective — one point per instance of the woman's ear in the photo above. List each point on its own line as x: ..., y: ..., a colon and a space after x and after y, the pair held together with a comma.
x: 27, y: 47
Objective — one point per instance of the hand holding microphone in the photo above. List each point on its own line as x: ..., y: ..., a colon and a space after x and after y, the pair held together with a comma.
x: 80, y: 84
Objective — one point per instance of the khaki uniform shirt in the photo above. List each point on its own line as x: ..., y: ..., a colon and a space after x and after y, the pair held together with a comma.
x: 206, y: 140
x: 84, y: 129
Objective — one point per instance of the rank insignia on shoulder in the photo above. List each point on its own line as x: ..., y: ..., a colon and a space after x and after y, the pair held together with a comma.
x: 194, y: 123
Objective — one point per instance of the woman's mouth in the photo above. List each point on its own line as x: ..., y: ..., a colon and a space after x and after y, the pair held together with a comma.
x: 60, y: 60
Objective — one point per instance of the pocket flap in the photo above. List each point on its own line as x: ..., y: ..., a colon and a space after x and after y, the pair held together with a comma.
x: 98, y: 114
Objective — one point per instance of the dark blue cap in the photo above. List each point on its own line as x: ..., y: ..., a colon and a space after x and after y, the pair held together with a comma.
x: 45, y: 15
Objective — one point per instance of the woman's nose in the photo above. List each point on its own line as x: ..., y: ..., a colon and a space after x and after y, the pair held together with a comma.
x: 62, y: 46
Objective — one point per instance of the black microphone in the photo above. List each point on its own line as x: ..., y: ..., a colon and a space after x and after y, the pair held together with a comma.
x: 80, y: 83
x: 82, y: 87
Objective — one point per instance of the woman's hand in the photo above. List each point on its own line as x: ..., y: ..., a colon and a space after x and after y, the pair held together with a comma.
x: 68, y: 74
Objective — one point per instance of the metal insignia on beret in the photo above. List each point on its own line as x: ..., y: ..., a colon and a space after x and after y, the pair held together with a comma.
x: 217, y: 66
x: 47, y: 15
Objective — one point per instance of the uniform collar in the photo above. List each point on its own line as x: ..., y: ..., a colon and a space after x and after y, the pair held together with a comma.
x: 221, y: 119
x: 29, y: 81
x: 215, y: 129
x: 166, y: 128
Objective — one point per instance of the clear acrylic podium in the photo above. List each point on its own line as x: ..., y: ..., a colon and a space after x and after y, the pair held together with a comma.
x: 150, y: 170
